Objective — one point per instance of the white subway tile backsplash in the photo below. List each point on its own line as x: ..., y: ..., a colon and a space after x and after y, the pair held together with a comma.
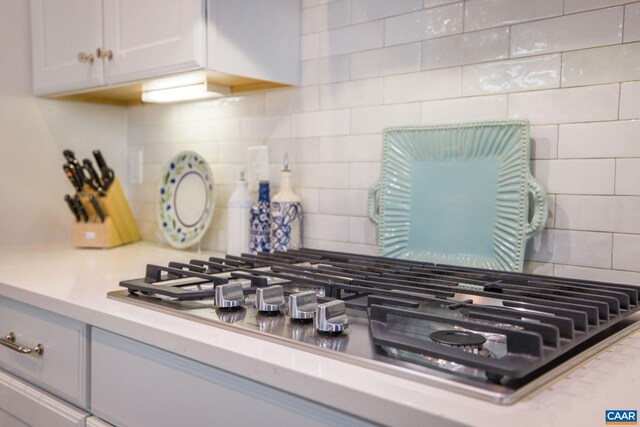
x: 321, y: 123
x: 603, y: 139
x: 573, y: 6
x: 481, y: 14
x: 468, y: 48
x: 602, y: 65
x: 351, y: 39
x: 310, y: 46
x: 363, y: 175
x: 630, y: 100
x: 566, y: 105
x: 425, y: 24
x: 618, y: 214
x: 576, y: 176
x: 325, y: 70
x: 357, y: 93
x: 323, y: 175
x: 626, y: 252
x: 386, y: 61
x: 628, y: 177
x: 343, y: 202
x: 353, y: 148
x: 368, y: 120
x: 544, y: 268
x: 540, y: 72
x: 600, y: 274
x: 461, y: 110
x: 433, y: 3
x: 265, y: 127
x: 589, y: 29
x: 572, y: 247
x: 292, y: 100
x: 369, y: 10
x: 324, y: 17
x: 631, y: 23
x: 371, y: 64
x: 325, y: 227
x: 544, y: 142
x: 362, y: 230
x: 424, y: 85
x: 309, y: 198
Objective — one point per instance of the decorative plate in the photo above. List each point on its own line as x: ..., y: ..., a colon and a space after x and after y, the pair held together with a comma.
x: 458, y: 194
x: 185, y: 199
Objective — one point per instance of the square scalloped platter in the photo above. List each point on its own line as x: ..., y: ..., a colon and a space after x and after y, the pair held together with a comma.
x: 456, y: 194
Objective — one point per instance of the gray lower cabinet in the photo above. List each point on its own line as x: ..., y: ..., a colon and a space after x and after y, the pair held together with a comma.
x: 136, y: 385
x: 22, y: 405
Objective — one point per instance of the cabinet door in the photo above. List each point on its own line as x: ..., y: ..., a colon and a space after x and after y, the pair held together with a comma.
x: 133, y: 384
x: 60, y: 30
x: 150, y: 38
x: 23, y: 405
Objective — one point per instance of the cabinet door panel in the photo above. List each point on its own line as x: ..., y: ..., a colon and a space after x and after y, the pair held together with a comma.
x: 22, y: 404
x: 62, y: 368
x: 134, y: 384
x: 151, y: 38
x: 60, y: 30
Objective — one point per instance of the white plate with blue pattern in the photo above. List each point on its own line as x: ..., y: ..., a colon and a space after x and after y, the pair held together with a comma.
x: 186, y: 199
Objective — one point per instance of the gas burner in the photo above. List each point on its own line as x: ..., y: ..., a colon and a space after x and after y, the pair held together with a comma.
x: 464, y: 340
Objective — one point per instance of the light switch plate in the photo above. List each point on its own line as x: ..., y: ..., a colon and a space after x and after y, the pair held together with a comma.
x: 257, y: 166
x: 135, y: 166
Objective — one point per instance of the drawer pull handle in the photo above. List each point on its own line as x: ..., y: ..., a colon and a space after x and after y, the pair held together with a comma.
x: 10, y: 342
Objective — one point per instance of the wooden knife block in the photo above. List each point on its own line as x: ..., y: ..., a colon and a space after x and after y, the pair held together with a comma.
x: 119, y: 226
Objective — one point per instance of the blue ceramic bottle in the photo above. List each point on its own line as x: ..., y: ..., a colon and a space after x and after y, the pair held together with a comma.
x: 261, y: 221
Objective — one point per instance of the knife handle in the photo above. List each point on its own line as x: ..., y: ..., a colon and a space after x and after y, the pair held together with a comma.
x: 81, y: 209
x: 107, y: 174
x: 70, y: 171
x: 96, y: 207
x: 72, y: 207
x: 69, y: 155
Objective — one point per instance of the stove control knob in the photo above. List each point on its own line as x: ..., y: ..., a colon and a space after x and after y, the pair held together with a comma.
x: 331, y: 317
x: 302, y: 306
x: 229, y: 295
x: 269, y: 300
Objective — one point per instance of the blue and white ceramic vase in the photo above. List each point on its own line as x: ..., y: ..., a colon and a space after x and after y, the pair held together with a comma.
x: 260, y: 220
x: 286, y: 215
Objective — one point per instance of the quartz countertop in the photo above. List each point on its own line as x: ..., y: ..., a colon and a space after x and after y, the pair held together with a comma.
x: 74, y: 283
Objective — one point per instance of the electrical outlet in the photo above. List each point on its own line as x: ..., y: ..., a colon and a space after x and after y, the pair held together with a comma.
x: 257, y: 166
x: 135, y: 166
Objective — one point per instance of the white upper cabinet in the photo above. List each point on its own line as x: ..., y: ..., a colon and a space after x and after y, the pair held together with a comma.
x: 64, y: 35
x: 81, y: 46
x: 150, y: 37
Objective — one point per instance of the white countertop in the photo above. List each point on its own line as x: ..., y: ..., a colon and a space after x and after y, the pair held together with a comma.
x: 74, y: 283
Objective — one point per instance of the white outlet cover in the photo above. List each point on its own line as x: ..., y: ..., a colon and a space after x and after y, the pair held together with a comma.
x: 135, y: 166
x: 257, y: 168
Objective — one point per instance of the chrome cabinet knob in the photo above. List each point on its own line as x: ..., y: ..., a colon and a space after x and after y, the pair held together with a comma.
x: 85, y: 58
x: 103, y: 53
x: 229, y: 295
x: 331, y: 317
x: 269, y: 300
x: 302, y: 306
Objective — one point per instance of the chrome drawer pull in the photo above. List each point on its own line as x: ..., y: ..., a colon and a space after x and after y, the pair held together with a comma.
x: 10, y: 342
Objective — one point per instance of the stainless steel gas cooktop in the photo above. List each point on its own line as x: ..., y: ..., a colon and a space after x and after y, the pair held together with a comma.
x: 488, y: 334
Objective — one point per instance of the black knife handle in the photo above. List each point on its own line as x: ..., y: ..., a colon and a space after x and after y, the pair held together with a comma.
x: 72, y: 207
x: 99, y: 160
x: 107, y: 174
x: 91, y: 177
x: 96, y: 207
x: 70, y: 171
x: 69, y: 155
x: 81, y: 209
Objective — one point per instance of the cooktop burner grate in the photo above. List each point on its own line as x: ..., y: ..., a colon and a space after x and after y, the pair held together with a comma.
x: 495, y: 327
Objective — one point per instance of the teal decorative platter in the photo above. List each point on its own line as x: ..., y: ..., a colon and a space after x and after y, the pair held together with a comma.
x: 458, y: 194
x: 186, y: 199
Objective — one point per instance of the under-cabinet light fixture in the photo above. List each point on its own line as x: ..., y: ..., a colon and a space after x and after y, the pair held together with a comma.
x: 185, y: 93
